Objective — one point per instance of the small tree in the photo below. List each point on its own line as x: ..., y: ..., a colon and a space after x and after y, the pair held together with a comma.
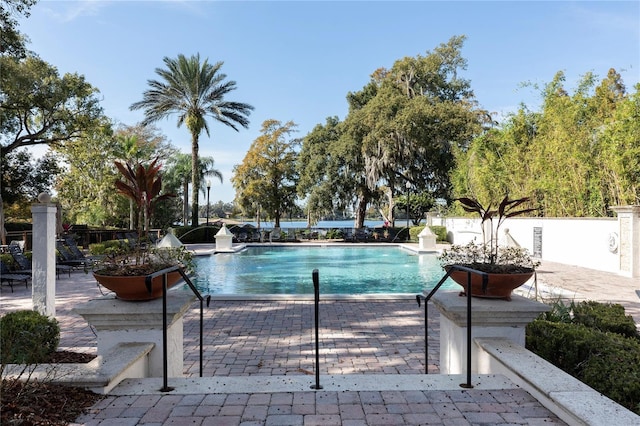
x: 142, y: 183
x: 267, y: 176
x: 505, y: 210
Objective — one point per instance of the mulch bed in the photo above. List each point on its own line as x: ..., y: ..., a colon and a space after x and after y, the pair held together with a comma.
x: 40, y: 403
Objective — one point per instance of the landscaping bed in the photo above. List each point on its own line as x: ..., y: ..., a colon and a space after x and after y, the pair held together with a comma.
x: 40, y: 403
x: 594, y: 342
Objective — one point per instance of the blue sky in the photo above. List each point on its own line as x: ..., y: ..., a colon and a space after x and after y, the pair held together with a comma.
x: 298, y: 60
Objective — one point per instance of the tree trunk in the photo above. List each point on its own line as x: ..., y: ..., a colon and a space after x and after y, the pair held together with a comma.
x: 185, y: 207
x: 361, y: 211
x: 131, y: 220
x: 195, y: 181
x: 276, y: 219
x: 3, y: 231
x: 392, y: 203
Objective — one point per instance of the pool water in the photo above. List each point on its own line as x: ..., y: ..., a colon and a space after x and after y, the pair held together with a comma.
x: 342, y: 270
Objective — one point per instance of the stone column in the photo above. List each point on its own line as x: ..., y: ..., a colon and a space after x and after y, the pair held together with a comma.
x: 627, y: 240
x: 426, y: 239
x: 43, y: 261
x: 117, y: 321
x: 489, y: 318
x: 224, y: 239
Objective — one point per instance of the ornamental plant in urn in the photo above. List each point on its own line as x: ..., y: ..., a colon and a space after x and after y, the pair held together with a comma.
x: 506, y: 267
x: 123, y: 271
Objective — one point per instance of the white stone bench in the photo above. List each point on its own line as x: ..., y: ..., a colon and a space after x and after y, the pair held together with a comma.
x: 571, y: 400
x: 100, y: 375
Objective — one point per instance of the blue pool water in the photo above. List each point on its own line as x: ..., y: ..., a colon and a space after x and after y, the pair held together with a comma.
x: 342, y: 270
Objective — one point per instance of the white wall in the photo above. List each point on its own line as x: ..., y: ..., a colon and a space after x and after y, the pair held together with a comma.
x: 573, y: 241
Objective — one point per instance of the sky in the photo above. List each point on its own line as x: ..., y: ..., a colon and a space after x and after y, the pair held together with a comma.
x: 297, y: 61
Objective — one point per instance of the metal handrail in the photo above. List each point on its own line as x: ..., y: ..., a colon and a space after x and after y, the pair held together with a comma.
x: 149, y: 285
x: 419, y: 297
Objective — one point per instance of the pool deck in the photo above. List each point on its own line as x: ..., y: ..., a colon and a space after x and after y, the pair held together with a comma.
x: 259, y: 361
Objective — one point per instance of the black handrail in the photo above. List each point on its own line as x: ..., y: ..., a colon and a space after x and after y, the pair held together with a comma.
x: 419, y: 297
x: 316, y: 298
x: 149, y: 285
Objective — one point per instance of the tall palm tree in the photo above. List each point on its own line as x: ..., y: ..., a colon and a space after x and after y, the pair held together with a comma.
x: 193, y: 90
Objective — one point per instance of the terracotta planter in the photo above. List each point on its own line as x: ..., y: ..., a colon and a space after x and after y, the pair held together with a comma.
x: 499, y: 286
x: 134, y: 288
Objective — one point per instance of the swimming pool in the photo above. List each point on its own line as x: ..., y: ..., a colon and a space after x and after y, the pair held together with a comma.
x: 342, y: 270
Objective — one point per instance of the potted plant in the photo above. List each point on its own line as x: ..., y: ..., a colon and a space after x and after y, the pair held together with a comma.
x: 506, y: 267
x: 124, y: 269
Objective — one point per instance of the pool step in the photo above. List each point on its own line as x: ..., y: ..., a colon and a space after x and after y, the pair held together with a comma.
x: 300, y: 383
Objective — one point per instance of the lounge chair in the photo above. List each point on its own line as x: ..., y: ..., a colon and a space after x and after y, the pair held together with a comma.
x: 9, y: 277
x: 290, y: 235
x: 67, y: 258
x: 70, y: 243
x: 349, y: 235
x: 24, y: 264
x: 126, y: 241
x: 362, y: 234
x: 275, y: 235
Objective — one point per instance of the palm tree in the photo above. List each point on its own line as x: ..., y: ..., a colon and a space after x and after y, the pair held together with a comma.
x: 192, y: 90
x: 180, y: 166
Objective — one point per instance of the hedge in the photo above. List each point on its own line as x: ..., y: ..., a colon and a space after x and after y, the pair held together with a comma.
x: 440, y: 231
x: 594, y: 343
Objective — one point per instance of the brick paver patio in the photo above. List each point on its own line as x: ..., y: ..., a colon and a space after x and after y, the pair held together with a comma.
x: 268, y: 338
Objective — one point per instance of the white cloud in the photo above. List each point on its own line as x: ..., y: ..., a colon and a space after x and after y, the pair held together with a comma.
x: 73, y: 10
x: 607, y: 21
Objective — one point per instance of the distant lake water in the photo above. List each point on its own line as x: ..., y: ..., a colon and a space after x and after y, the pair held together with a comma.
x: 320, y: 224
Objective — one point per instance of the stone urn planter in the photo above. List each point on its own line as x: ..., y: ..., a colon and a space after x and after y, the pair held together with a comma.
x: 498, y: 286
x: 505, y: 268
x: 134, y: 288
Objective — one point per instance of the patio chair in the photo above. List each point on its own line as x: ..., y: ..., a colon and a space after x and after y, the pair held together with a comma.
x: 290, y: 235
x: 9, y: 277
x: 349, y: 235
x: 24, y: 264
x: 275, y: 235
x: 362, y: 235
x: 71, y: 244
x: 67, y: 258
x: 126, y: 241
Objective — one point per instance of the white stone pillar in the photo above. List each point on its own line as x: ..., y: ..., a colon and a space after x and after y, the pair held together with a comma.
x: 43, y: 260
x: 117, y: 321
x: 224, y: 239
x: 489, y: 318
x: 628, y: 240
x: 427, y: 239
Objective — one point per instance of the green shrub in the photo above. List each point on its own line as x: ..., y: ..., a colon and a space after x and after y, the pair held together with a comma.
x: 440, y: 231
x: 601, y: 316
x: 605, y: 317
x: 414, y: 231
x: 607, y: 362
x: 105, y: 247
x: 27, y: 337
x: 335, y: 234
x: 559, y: 312
x: 7, y: 259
